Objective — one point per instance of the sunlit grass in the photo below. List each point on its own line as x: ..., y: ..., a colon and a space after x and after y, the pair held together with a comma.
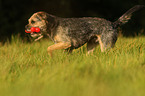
x: 27, y: 70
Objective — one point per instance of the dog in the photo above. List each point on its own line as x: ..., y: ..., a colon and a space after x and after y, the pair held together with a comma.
x: 72, y: 33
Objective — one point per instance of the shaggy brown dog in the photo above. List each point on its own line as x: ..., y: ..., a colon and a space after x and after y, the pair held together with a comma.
x: 71, y: 33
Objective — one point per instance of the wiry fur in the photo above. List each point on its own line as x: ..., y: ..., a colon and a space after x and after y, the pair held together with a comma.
x: 71, y: 33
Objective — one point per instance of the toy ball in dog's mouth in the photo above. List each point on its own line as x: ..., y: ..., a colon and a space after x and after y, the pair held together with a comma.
x: 33, y: 29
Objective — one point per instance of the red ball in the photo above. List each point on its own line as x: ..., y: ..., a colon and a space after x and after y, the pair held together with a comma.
x: 33, y: 29
x: 27, y: 31
x: 37, y: 29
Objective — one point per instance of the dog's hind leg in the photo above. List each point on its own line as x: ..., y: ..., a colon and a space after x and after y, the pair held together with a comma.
x: 91, y: 45
x: 101, y: 43
x: 107, y: 41
x: 57, y: 46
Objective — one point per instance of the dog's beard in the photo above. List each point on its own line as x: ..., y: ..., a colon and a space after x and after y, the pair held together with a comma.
x: 36, y: 36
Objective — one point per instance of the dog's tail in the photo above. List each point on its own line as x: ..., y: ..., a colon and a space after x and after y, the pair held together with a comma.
x: 127, y: 16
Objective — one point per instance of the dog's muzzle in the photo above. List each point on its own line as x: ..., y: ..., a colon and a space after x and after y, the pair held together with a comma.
x: 35, y: 33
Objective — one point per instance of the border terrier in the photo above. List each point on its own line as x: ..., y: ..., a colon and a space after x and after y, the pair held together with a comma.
x: 72, y: 33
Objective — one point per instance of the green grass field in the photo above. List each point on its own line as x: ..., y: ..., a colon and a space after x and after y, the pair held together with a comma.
x: 27, y: 70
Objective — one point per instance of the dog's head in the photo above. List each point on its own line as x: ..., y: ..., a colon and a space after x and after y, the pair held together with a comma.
x: 41, y: 20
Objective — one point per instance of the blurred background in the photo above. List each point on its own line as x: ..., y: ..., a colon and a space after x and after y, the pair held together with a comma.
x: 14, y: 14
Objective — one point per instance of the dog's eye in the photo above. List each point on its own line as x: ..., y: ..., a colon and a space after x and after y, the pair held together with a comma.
x: 32, y: 21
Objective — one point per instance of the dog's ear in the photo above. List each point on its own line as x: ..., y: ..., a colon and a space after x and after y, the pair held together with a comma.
x: 46, y: 16
x: 50, y: 19
x: 42, y: 15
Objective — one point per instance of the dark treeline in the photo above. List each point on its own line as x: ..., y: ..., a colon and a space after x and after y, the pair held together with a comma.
x: 14, y: 14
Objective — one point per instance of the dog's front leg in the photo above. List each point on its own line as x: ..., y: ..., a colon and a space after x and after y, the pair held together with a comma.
x: 61, y: 45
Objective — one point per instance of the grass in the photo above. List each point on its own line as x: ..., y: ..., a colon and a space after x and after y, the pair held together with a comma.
x: 27, y: 70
